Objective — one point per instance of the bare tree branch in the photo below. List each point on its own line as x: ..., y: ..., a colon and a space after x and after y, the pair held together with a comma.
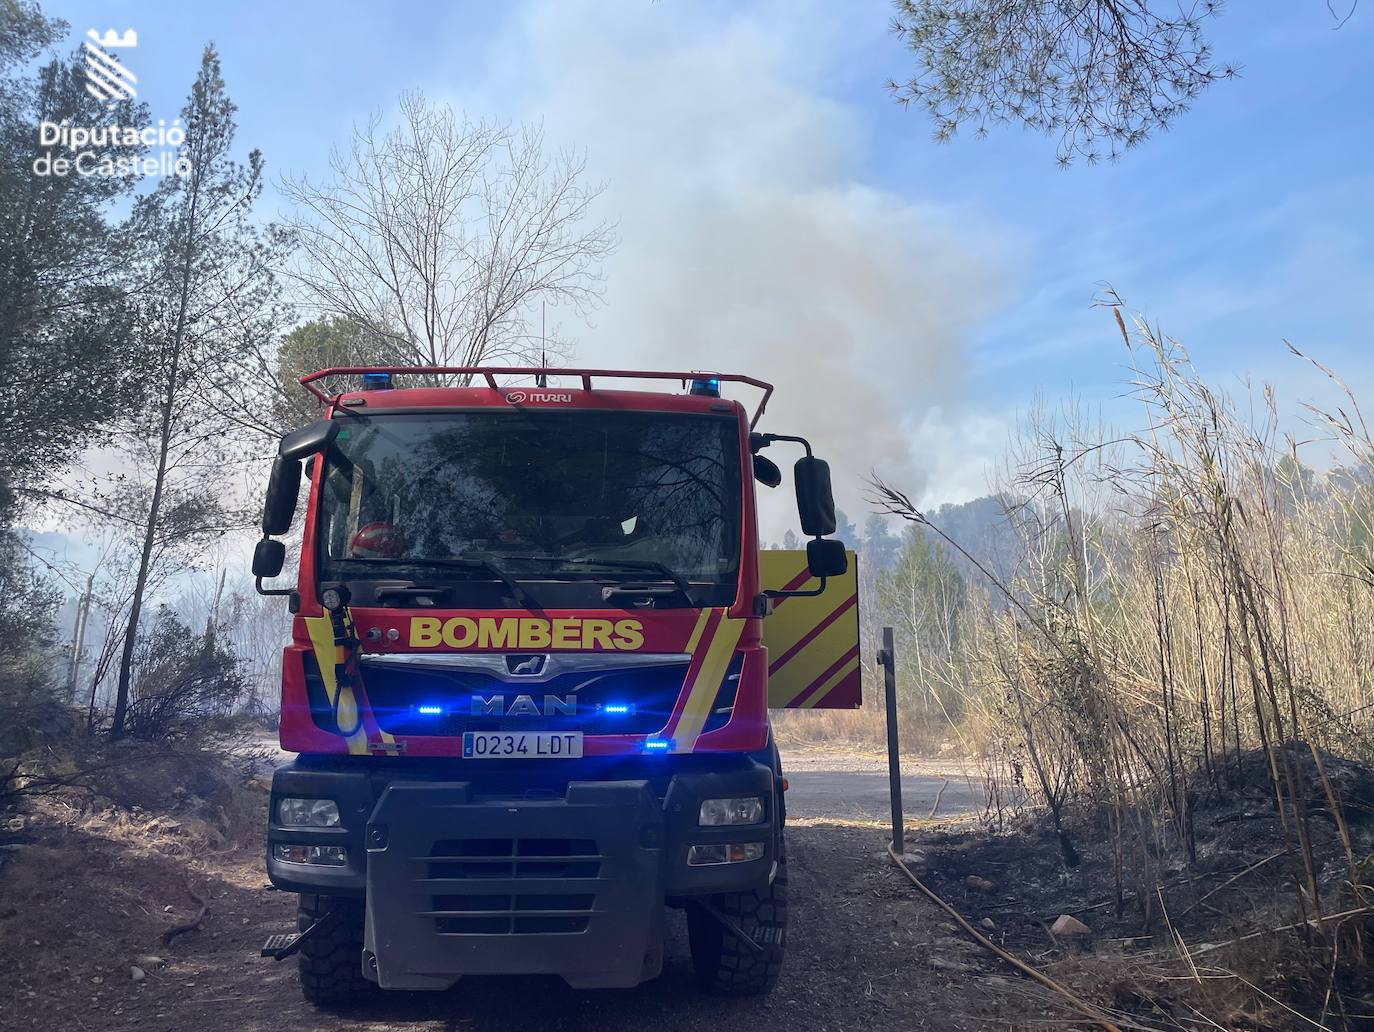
x: 445, y: 235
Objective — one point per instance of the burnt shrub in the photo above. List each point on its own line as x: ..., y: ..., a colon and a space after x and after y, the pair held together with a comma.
x: 183, y: 682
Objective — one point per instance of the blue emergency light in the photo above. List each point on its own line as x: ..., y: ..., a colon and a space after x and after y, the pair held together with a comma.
x: 707, y: 386
x: 430, y: 711
x: 376, y: 381
x: 617, y: 709
x: 658, y: 745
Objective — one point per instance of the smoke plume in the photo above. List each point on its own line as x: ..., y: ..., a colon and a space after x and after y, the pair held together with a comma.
x: 749, y: 240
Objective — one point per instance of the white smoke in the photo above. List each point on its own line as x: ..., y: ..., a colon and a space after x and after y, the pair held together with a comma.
x: 749, y: 242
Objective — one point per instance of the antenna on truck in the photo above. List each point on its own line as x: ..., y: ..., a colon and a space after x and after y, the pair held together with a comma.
x: 542, y: 379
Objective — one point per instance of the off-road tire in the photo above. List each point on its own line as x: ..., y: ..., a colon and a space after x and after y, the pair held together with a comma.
x: 331, y: 960
x: 723, y: 963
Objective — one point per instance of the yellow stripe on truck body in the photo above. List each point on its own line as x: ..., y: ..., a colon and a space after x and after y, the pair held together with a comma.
x: 813, y: 642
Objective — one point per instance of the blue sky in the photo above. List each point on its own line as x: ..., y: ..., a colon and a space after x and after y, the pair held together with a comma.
x: 772, y: 199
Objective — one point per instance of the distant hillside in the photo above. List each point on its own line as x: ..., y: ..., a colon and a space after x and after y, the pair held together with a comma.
x: 980, y: 526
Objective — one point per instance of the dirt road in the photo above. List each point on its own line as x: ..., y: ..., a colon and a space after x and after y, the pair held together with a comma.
x: 856, y: 788
x: 864, y: 952
x: 860, y: 957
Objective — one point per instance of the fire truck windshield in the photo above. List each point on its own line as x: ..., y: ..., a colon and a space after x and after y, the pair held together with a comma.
x: 556, y: 505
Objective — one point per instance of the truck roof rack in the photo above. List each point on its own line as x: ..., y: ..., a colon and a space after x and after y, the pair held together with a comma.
x: 490, y: 373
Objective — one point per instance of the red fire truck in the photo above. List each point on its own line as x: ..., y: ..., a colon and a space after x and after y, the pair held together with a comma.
x: 534, y: 647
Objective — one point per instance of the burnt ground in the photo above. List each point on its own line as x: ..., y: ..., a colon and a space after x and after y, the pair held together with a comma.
x: 85, y: 895
x: 1238, y: 888
x: 82, y: 898
x: 1030, y: 884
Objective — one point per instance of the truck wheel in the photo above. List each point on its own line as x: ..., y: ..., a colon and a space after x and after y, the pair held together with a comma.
x: 723, y: 963
x: 331, y: 960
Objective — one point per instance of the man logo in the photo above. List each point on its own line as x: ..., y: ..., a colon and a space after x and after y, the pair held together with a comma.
x: 524, y: 706
x: 106, y: 77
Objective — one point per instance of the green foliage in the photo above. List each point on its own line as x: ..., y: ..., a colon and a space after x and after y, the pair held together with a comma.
x: 880, y: 545
x: 982, y: 527
x: 27, y: 649
x: 66, y: 334
x: 923, y: 595
x: 845, y: 530
x: 331, y: 340
x: 66, y: 338
x: 207, y: 303
x: 1096, y: 74
x: 25, y: 32
x: 923, y: 585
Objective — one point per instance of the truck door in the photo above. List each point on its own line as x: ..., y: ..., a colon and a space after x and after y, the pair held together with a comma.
x: 813, y: 643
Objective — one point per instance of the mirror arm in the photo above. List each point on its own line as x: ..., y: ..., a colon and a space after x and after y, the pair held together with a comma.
x: 779, y: 593
x: 758, y: 442
x: 257, y: 585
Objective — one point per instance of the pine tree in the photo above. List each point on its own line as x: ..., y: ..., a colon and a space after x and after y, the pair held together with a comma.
x: 65, y: 332
x: 207, y: 299
x: 879, y: 543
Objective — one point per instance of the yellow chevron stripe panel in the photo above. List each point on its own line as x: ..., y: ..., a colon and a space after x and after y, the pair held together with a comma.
x: 815, y: 698
x: 812, y: 642
x: 326, y: 655
x: 719, y: 651
x: 695, y: 638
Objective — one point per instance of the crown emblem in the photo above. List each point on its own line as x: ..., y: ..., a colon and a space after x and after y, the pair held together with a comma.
x: 113, y: 40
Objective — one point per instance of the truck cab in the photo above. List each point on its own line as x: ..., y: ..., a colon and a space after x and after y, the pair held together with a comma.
x: 530, y: 675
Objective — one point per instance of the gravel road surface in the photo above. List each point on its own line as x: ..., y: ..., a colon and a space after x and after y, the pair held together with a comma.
x: 857, y: 788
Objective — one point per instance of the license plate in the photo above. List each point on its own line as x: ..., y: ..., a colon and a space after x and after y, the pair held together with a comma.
x: 531, y: 745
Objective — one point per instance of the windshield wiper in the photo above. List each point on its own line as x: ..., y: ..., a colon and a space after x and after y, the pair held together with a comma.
x: 481, y: 562
x: 666, y: 572
x: 424, y: 594
x: 469, y: 562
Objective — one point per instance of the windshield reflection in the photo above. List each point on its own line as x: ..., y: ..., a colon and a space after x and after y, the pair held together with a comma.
x: 584, y: 497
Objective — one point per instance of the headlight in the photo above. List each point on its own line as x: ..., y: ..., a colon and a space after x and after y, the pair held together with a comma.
x: 335, y: 598
x: 308, y: 813
x: 733, y: 853
x: 718, y: 812
x: 321, y: 856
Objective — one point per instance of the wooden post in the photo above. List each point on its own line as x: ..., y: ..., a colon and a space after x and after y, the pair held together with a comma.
x: 887, y: 659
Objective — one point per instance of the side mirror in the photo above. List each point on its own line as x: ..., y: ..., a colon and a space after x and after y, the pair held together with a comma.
x: 815, y: 501
x: 766, y: 471
x: 282, y: 489
x: 826, y: 557
x: 309, y: 440
x: 268, y: 558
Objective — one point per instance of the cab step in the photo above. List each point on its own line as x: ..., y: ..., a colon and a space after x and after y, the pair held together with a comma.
x: 284, y: 944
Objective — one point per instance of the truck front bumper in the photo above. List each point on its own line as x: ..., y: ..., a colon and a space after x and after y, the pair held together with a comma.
x: 459, y: 880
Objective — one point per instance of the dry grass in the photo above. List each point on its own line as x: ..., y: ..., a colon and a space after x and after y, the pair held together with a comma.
x: 864, y: 729
x: 1185, y: 595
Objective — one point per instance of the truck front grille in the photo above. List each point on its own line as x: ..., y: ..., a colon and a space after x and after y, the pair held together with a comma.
x: 414, y: 699
x: 547, y: 909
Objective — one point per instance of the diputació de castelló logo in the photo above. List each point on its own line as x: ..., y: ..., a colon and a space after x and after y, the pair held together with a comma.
x: 111, y: 81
